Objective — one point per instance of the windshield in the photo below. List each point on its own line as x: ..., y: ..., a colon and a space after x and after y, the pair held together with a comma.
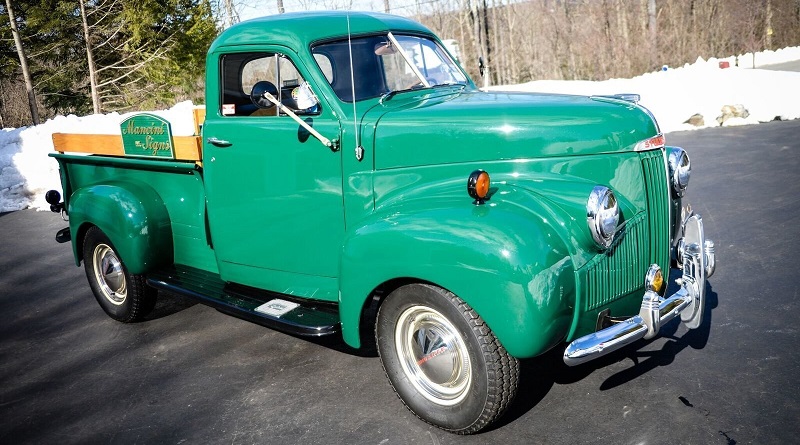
x: 384, y: 64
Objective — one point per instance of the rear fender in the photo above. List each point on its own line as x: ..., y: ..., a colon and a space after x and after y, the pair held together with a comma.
x: 503, y: 258
x: 132, y: 215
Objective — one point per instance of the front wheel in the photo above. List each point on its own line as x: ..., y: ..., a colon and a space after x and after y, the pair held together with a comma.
x: 124, y: 297
x: 442, y: 360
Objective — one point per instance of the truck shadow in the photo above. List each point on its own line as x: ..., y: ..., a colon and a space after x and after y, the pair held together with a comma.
x: 169, y: 304
x: 538, y: 375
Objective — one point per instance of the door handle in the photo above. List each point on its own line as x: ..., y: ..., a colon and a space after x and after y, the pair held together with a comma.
x: 219, y: 142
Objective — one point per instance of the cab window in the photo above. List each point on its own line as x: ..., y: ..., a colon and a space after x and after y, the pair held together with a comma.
x: 246, y: 76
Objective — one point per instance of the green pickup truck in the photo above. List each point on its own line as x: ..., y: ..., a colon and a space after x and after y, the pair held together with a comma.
x: 350, y: 179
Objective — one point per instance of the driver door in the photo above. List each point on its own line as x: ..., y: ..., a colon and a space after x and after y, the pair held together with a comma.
x: 274, y: 192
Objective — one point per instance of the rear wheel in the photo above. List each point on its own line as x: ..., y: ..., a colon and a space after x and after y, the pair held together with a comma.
x: 442, y: 360
x: 124, y: 297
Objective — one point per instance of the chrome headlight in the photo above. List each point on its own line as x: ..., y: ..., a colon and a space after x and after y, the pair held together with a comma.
x: 602, y: 215
x: 680, y: 170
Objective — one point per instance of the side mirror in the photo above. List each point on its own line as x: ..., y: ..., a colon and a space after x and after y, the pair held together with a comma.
x: 257, y: 94
x: 385, y: 49
x: 481, y: 66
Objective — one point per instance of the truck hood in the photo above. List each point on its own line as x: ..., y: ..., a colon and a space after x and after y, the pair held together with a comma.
x: 441, y: 127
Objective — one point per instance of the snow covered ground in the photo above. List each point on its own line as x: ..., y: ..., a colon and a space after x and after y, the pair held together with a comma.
x: 673, y: 95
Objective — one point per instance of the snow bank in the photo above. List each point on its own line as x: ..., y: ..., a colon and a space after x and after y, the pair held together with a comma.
x: 762, y: 59
x: 768, y: 57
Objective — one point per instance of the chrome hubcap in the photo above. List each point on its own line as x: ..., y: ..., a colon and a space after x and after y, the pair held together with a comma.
x: 433, y: 355
x: 109, y: 275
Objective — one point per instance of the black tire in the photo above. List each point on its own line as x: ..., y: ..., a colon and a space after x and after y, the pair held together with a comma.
x: 470, y: 379
x: 124, y: 297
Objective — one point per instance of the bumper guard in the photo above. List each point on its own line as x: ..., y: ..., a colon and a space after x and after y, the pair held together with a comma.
x: 697, y: 260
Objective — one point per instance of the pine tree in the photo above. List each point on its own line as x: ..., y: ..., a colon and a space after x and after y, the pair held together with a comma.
x: 146, y: 54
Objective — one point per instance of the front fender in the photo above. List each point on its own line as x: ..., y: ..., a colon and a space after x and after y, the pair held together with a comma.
x: 503, y: 258
x: 132, y: 215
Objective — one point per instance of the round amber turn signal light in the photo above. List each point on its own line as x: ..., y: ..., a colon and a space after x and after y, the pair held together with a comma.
x: 478, y: 185
x: 654, y: 280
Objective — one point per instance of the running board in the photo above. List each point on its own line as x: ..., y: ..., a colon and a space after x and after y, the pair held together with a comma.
x: 298, y: 316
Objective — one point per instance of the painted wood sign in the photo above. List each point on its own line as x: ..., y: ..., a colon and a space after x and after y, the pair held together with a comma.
x: 147, y: 135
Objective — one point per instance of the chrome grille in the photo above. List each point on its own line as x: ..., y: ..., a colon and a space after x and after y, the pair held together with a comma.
x: 618, y: 271
x: 643, y: 240
x: 657, y: 184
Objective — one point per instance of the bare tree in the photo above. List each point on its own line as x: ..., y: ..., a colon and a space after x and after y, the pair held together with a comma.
x: 90, y: 61
x: 231, y: 14
x: 23, y: 61
x: 652, y: 27
x: 480, y: 23
x: 2, y: 106
x: 768, y: 26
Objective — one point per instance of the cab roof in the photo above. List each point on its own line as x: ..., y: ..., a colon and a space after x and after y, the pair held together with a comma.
x: 301, y: 29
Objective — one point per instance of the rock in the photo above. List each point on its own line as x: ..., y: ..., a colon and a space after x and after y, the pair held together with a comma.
x: 696, y: 120
x: 729, y: 111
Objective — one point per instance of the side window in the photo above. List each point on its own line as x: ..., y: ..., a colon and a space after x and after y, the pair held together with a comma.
x: 325, y: 65
x: 245, y: 77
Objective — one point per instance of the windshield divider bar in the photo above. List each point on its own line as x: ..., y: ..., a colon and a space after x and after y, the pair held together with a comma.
x: 409, y: 61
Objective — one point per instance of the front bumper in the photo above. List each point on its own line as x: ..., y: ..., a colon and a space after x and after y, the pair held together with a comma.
x: 697, y: 260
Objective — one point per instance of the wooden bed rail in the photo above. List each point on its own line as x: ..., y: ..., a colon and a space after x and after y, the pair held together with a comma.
x: 187, y: 148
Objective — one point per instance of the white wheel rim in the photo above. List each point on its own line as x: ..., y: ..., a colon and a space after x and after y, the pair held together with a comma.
x: 109, y: 274
x: 433, y: 355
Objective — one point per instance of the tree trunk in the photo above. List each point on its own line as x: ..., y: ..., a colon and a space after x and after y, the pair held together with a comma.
x: 232, y: 17
x: 652, y: 26
x: 624, y: 47
x: 475, y: 18
x: 571, y: 63
x: 487, y: 46
x: 2, y: 107
x: 768, y: 23
x: 281, y: 10
x: 90, y: 61
x: 501, y: 74
x: 509, y: 44
x: 386, y: 7
x: 23, y: 61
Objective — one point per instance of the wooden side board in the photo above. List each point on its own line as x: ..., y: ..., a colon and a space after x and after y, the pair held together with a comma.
x: 199, y: 117
x: 187, y: 148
